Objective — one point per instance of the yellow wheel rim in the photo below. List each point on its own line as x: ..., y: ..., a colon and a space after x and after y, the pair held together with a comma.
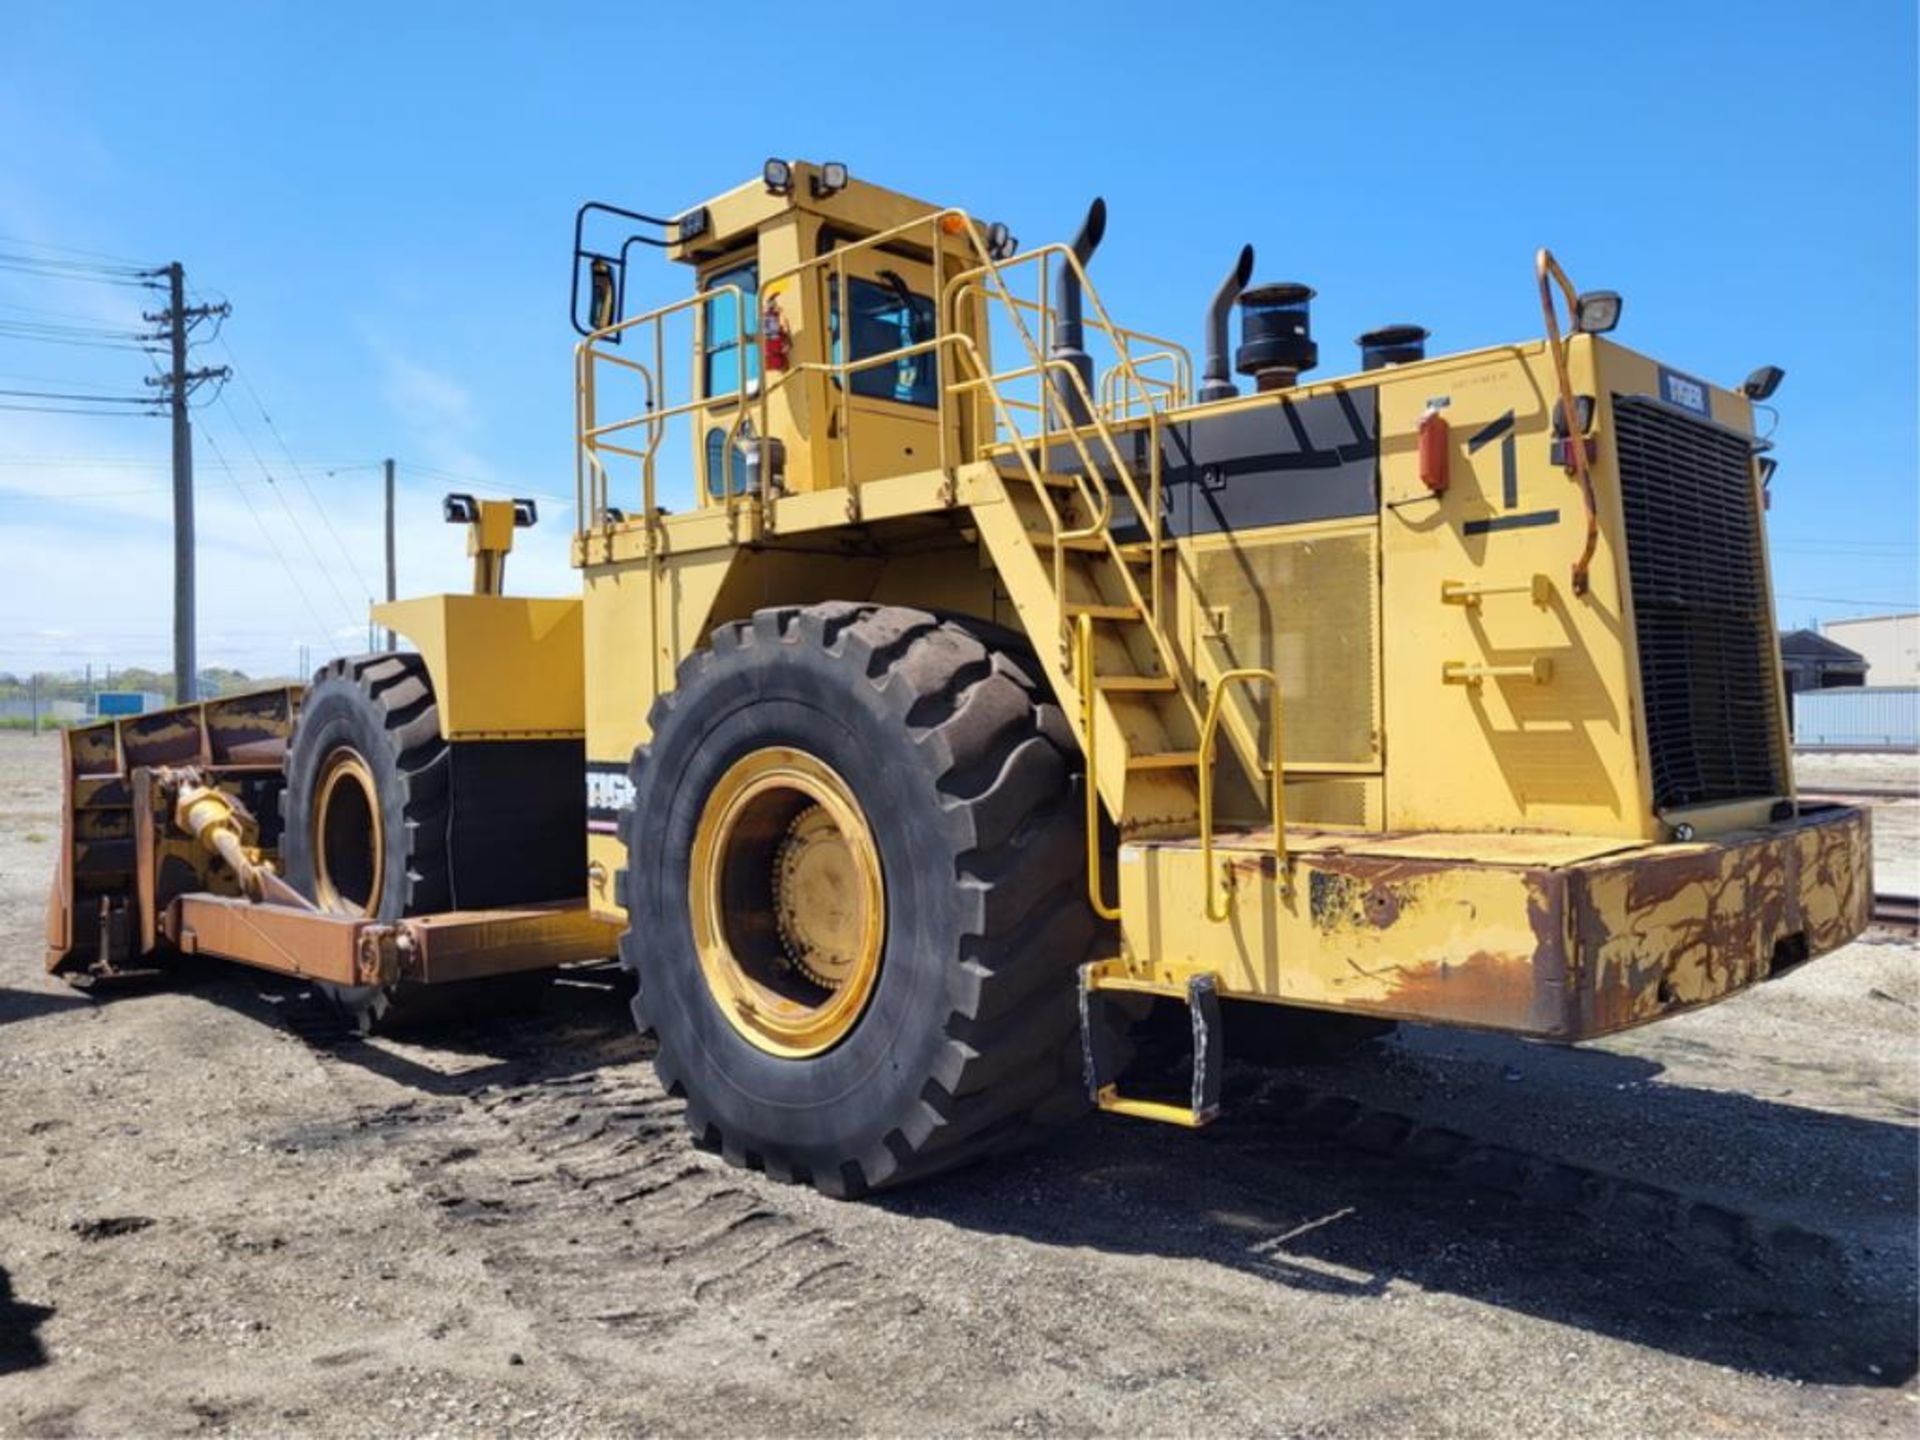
x: 347, y: 842
x: 787, y: 901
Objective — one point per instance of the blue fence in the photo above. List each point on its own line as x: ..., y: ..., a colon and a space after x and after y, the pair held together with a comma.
x: 1871, y: 717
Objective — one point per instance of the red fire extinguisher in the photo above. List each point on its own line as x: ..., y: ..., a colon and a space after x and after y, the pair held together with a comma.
x: 776, y: 340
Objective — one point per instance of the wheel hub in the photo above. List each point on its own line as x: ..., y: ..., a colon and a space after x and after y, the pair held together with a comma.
x: 348, y: 843
x: 817, y: 900
x: 787, y: 902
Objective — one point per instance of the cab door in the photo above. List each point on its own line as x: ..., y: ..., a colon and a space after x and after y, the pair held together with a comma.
x: 729, y: 343
x: 883, y: 417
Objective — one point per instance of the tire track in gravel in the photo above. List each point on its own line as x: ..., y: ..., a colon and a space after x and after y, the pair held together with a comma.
x: 598, y: 1208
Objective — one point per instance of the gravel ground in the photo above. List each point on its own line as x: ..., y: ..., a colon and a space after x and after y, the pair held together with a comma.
x: 213, y: 1225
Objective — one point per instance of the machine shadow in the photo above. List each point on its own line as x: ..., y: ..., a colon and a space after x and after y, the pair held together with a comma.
x: 581, y: 1022
x: 18, y: 1005
x: 1273, y: 1199
x: 20, y: 1347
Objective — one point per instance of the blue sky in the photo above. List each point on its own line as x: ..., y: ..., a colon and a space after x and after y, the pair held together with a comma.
x: 385, y: 194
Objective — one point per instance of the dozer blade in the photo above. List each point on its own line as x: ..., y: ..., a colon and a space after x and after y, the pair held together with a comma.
x: 119, y: 862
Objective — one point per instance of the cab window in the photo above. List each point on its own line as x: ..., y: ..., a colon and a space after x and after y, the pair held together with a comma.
x: 886, y: 316
x: 725, y: 341
x: 726, y: 470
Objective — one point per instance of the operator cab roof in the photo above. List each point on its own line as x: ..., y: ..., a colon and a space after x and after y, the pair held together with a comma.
x: 724, y: 223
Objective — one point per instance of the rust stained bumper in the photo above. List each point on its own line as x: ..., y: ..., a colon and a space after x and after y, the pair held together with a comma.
x: 1571, y: 951
x: 1682, y: 925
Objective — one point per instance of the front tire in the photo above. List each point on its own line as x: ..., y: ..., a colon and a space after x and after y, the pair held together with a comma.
x: 856, y: 891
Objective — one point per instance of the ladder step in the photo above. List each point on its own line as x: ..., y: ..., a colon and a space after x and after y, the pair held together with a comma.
x: 1052, y: 479
x: 1135, y: 683
x: 1165, y: 760
x: 1100, y: 610
x: 1043, y: 540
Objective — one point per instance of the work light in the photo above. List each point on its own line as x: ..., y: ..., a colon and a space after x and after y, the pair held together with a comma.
x: 831, y: 180
x: 1596, y: 312
x: 778, y: 175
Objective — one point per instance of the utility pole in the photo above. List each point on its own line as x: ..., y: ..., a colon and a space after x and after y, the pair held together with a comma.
x: 391, y: 595
x: 179, y: 384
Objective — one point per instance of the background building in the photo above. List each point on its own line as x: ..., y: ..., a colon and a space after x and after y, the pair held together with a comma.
x: 1813, y: 662
x: 1890, y: 644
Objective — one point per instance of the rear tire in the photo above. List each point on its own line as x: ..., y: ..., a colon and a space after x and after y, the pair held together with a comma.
x: 368, y: 815
x: 940, y: 746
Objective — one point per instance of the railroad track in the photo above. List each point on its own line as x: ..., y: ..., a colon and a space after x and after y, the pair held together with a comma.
x: 1897, y: 912
x: 1859, y: 792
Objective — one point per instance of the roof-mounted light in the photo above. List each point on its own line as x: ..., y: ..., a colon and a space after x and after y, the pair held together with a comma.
x: 1596, y: 312
x: 777, y: 176
x: 1000, y: 242
x: 691, y: 226
x: 831, y: 180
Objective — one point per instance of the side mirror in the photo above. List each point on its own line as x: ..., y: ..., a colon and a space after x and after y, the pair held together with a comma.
x: 603, y: 304
x: 1761, y: 384
x: 606, y: 269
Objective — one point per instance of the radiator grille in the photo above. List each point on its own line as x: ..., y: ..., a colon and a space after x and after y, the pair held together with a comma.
x: 1707, y: 650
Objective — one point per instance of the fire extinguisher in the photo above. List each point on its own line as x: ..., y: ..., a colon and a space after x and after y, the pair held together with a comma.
x: 776, y: 340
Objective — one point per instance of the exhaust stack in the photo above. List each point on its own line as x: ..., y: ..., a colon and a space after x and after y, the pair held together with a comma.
x: 1215, y: 382
x: 1069, y: 338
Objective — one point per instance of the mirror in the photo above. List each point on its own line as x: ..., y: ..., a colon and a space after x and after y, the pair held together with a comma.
x: 604, y: 304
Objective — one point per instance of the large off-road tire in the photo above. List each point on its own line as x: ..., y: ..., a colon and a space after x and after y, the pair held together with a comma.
x: 370, y: 827
x: 857, y: 895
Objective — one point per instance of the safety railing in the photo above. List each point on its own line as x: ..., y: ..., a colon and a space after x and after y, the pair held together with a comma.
x: 1089, y: 728
x: 594, y: 439
x: 1075, y: 423
x: 1220, y: 897
x: 1547, y: 271
x: 1123, y: 397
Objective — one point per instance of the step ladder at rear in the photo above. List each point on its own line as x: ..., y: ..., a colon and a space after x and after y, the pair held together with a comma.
x: 1100, y: 1029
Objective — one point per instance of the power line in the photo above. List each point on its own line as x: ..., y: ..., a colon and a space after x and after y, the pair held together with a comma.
x: 299, y: 529
x: 220, y: 456
x: 299, y: 474
x: 97, y: 270
x: 147, y: 400
x: 1835, y: 600
x: 138, y: 462
x: 76, y: 410
x: 479, y: 484
x: 72, y: 250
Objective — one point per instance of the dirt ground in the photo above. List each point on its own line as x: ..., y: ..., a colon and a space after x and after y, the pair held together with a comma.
x: 210, y: 1224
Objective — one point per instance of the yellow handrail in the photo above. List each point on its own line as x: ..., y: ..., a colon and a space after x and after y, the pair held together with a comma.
x: 1545, y: 267
x: 1219, y: 898
x: 591, y: 437
x: 1117, y: 395
x: 1090, y: 781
